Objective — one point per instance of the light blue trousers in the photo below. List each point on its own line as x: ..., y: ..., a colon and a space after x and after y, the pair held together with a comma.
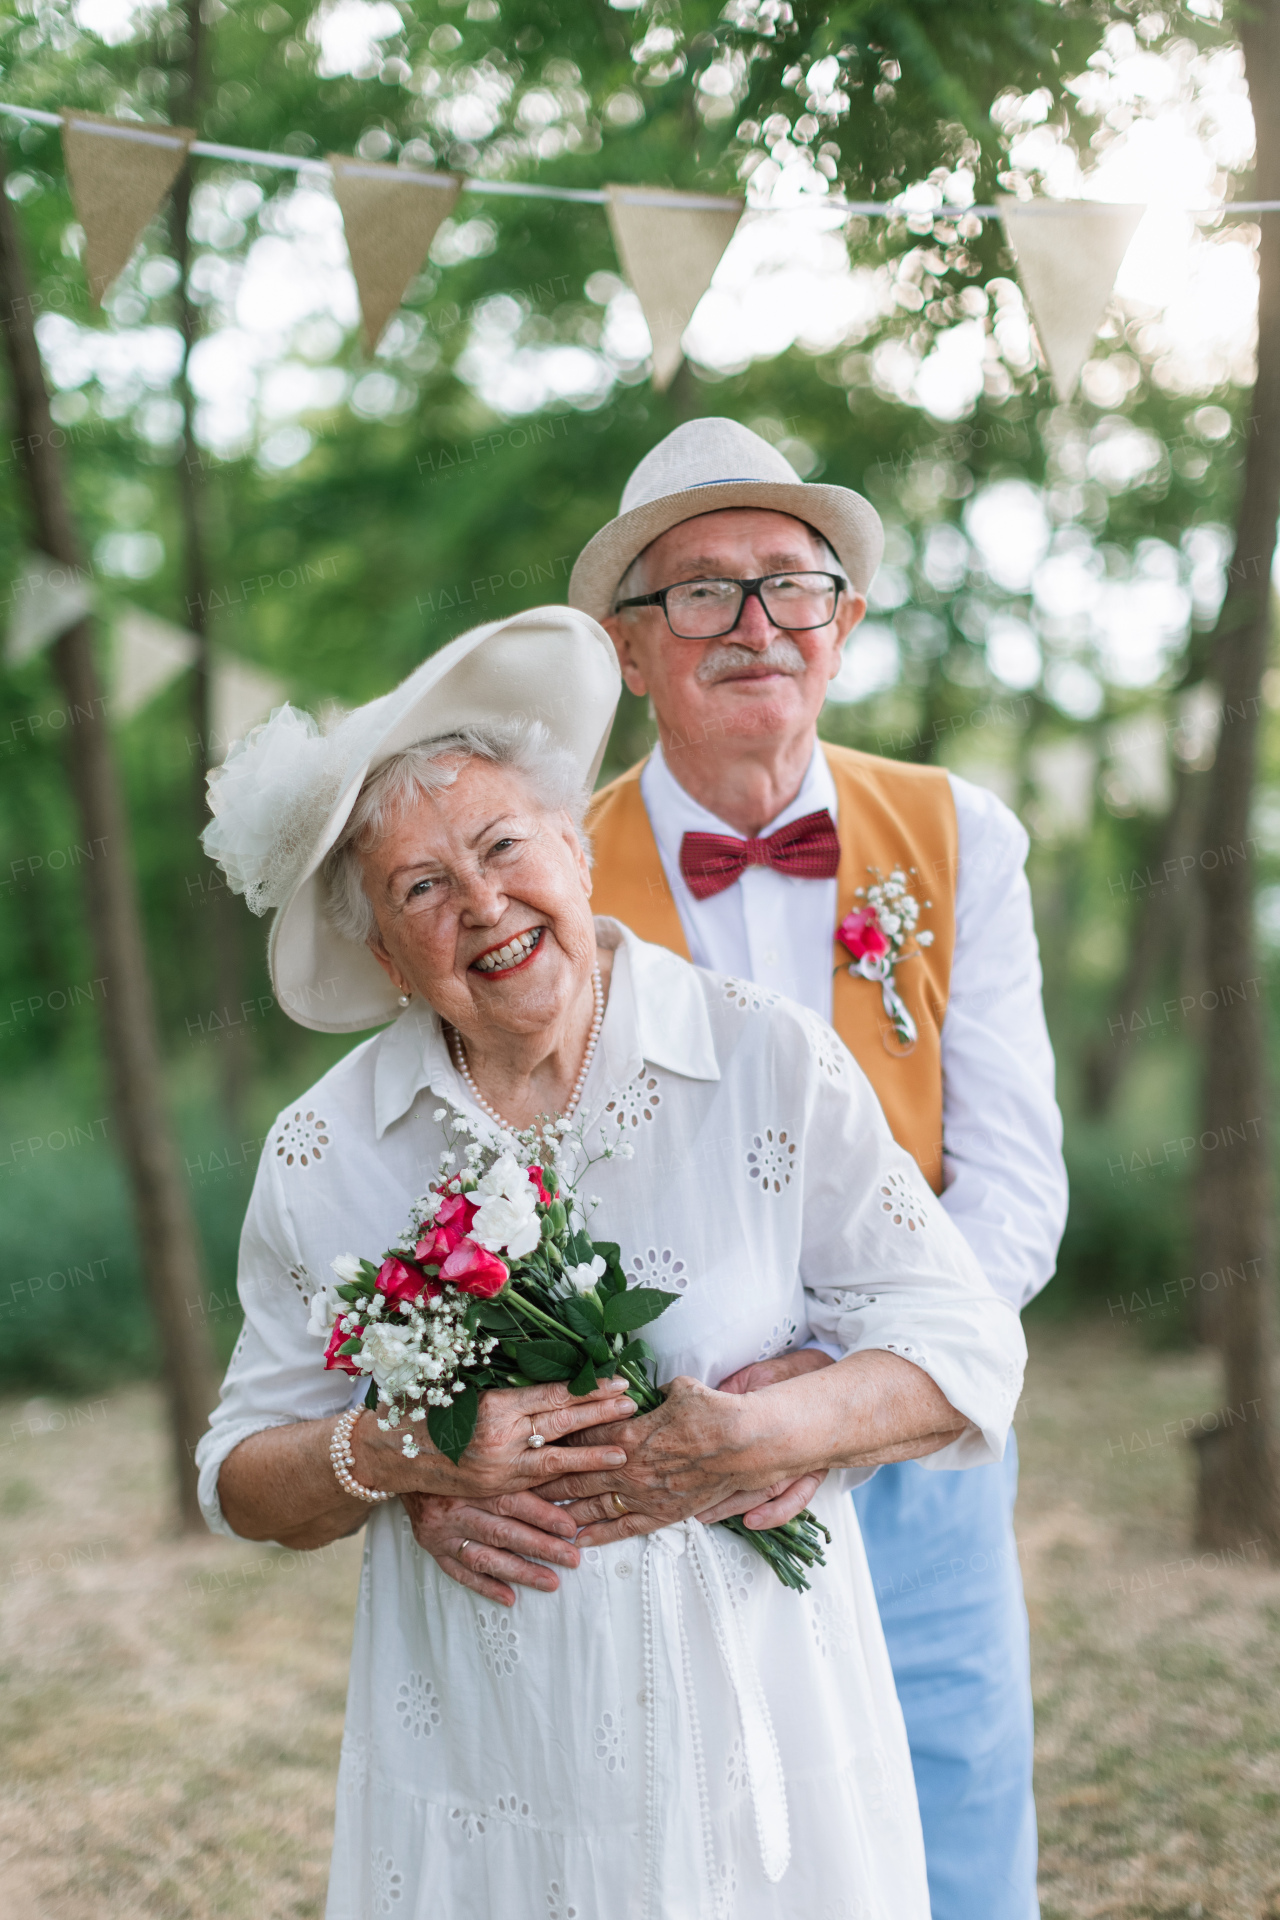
x: 945, y: 1566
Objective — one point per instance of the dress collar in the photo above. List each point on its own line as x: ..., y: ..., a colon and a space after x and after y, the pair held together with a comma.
x: 656, y: 1015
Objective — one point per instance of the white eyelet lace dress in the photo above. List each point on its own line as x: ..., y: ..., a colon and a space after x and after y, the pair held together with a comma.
x: 673, y: 1735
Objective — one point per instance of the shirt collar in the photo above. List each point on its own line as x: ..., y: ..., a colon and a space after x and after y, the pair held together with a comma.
x: 656, y: 1015
x: 681, y: 813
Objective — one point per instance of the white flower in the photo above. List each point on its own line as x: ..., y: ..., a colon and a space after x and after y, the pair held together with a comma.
x: 584, y: 1276
x: 390, y: 1354
x: 347, y: 1267
x: 924, y: 939
x: 508, y: 1226
x: 507, y: 1218
x: 890, y: 924
x: 325, y: 1308
x: 438, y: 1115
x: 505, y: 1178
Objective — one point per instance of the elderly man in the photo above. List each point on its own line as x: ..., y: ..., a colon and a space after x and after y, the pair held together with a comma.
x: 729, y: 588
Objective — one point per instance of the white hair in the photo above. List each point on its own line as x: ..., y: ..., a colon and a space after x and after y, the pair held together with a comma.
x: 634, y: 581
x: 550, y: 772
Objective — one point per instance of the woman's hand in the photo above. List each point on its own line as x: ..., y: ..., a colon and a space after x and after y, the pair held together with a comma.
x: 279, y: 1484
x: 485, y: 1544
x: 700, y: 1449
x: 499, y: 1459
x: 688, y: 1456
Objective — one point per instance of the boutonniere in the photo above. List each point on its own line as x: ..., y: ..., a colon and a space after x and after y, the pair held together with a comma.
x: 880, y: 935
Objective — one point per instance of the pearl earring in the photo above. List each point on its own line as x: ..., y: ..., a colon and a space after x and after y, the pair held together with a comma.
x: 405, y: 998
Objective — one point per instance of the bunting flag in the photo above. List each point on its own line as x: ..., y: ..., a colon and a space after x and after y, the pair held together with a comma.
x: 390, y: 215
x: 146, y: 655
x: 120, y: 172
x: 1068, y: 255
x: 240, y: 696
x: 43, y: 600
x: 670, y: 245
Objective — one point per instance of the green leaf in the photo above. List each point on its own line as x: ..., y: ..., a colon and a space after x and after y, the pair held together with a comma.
x: 581, y: 1247
x: 584, y: 1382
x: 548, y: 1359
x: 350, y: 1292
x: 451, y: 1427
x: 635, y: 1308
x: 600, y: 1352
x: 496, y: 1319
x: 350, y: 1346
x: 584, y: 1314
x: 614, y: 1280
x: 371, y: 1398
x: 636, y: 1352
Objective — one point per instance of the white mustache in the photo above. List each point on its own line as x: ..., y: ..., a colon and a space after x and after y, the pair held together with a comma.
x: 780, y: 656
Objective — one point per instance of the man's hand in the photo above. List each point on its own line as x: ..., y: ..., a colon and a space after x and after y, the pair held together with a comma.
x: 486, y: 1544
x: 787, y: 1498
x: 767, y: 1373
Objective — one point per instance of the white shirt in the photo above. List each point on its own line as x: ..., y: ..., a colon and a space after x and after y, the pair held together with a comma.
x: 672, y: 1708
x: 1005, y: 1182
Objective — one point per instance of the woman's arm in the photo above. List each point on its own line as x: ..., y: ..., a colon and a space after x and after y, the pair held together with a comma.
x: 279, y: 1485
x: 702, y: 1452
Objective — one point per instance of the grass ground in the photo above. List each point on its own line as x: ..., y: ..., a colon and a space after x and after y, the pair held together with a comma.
x: 170, y: 1710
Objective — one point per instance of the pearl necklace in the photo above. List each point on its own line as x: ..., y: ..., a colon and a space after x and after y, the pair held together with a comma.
x: 459, y: 1057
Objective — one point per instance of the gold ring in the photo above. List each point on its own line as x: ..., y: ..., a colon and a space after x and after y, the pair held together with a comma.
x: 618, y: 1503
x: 462, y: 1549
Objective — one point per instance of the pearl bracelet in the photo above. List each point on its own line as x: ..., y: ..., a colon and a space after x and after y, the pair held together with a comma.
x: 343, y: 1463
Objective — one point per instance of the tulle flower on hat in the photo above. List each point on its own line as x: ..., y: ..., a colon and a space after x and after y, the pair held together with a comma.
x: 264, y: 799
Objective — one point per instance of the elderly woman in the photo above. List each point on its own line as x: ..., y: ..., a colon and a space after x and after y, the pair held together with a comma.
x: 665, y: 1730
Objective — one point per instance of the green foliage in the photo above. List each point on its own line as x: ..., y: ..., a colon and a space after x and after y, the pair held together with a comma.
x: 411, y: 517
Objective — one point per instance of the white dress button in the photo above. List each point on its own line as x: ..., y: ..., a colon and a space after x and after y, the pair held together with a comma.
x: 623, y: 1569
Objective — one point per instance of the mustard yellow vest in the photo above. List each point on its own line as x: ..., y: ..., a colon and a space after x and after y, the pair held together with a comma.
x: 890, y: 814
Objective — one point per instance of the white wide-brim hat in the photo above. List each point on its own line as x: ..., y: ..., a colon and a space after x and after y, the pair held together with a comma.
x: 283, y: 795
x: 702, y: 467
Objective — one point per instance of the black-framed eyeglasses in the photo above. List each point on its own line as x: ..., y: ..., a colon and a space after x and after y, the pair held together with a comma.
x: 706, y: 609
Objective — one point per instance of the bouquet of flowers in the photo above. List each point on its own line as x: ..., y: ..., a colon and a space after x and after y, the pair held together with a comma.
x: 497, y: 1283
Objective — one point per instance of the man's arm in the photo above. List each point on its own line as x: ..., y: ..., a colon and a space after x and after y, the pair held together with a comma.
x: 1006, y: 1185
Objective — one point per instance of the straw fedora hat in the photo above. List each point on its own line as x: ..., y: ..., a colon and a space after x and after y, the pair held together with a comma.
x: 283, y: 795
x: 701, y: 467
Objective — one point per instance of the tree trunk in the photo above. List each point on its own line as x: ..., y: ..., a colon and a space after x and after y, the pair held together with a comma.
x: 193, y: 503
x: 166, y: 1229
x: 1155, y: 937
x: 1239, y: 1480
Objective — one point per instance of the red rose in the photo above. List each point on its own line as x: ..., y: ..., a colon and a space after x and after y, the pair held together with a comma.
x: 452, y: 1224
x: 339, y: 1362
x: 859, y: 931
x: 473, y: 1269
x: 399, y: 1282
x: 535, y: 1174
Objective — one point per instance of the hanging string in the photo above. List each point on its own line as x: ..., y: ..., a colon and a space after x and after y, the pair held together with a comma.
x: 636, y: 196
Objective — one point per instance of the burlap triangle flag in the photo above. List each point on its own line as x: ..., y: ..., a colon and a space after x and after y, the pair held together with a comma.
x: 120, y: 172
x: 390, y: 215
x: 1068, y: 254
x: 44, y: 599
x: 147, y: 653
x: 241, y: 695
x: 669, y: 244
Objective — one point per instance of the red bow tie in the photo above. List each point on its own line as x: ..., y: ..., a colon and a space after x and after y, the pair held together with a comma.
x: 808, y: 849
